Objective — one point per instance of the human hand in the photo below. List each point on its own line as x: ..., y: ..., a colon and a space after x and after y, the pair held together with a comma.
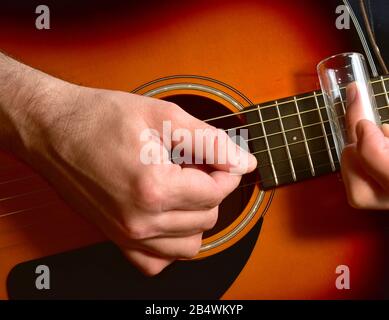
x: 365, y: 162
x: 86, y: 142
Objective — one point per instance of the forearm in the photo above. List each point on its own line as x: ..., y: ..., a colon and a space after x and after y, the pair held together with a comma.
x: 25, y: 95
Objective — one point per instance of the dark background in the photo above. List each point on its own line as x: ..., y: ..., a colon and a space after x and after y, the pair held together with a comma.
x: 378, y: 11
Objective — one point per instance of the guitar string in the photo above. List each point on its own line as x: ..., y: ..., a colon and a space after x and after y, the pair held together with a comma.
x: 262, y: 164
x: 234, y: 114
x: 250, y: 139
x: 30, y: 176
x: 22, y: 211
x: 257, y: 152
x: 299, y: 128
x: 279, y: 118
x: 289, y: 174
x: 314, y: 110
x: 315, y: 93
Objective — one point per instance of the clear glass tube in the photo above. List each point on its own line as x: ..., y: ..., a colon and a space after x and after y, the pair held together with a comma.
x: 335, y: 74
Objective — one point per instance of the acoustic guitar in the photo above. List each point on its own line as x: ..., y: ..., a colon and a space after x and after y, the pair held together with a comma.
x: 220, y: 60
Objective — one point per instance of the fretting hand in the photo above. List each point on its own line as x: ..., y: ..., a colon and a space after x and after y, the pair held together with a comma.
x: 365, y: 162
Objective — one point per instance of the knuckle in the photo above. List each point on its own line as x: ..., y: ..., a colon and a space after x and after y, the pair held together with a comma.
x: 215, y: 199
x: 136, y: 231
x: 149, y: 194
x: 172, y: 108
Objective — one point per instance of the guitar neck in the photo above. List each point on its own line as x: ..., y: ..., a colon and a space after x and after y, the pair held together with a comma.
x: 292, y: 138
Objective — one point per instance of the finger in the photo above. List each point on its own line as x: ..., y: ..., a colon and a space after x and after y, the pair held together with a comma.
x: 149, y: 264
x: 385, y: 129
x: 193, y: 189
x: 185, y: 223
x: 227, y: 181
x: 363, y: 192
x: 373, y: 149
x: 174, y: 248
x: 354, y: 111
x: 210, y: 145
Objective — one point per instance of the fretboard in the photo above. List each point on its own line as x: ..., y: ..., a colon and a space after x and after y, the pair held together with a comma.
x: 292, y: 138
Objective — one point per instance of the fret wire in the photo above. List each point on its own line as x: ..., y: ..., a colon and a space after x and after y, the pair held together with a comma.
x: 385, y: 92
x: 306, y: 126
x: 281, y: 146
x: 286, y: 143
x: 287, y: 130
x: 266, y: 164
x: 315, y: 95
x: 341, y: 101
x: 294, y: 143
x: 325, y: 134
x: 301, y: 155
x: 318, y: 94
x: 305, y: 138
x: 286, y: 116
x: 297, y: 142
x: 282, y: 175
x: 267, y: 146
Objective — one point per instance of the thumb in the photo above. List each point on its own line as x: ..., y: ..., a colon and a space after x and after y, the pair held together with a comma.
x: 209, y: 145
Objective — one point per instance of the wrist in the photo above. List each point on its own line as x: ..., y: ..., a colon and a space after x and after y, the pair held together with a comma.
x: 28, y: 105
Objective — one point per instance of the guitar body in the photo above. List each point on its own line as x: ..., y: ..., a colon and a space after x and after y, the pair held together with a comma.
x: 263, y: 50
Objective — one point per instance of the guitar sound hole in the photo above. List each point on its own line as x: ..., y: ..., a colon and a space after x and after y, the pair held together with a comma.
x: 205, y: 108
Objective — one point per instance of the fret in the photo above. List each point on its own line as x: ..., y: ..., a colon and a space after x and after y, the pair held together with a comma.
x: 286, y: 143
x: 292, y: 137
x: 381, y: 101
x: 386, y: 83
x: 267, y: 146
x: 342, y: 100
x: 290, y: 145
x: 258, y: 147
x: 384, y: 115
x: 314, y: 133
x: 333, y: 168
x: 305, y: 139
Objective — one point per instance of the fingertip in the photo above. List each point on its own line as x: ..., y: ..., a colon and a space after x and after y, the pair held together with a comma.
x: 252, y: 163
x: 385, y: 129
x: 246, y: 162
x: 226, y: 181
x: 366, y: 129
x: 351, y: 93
